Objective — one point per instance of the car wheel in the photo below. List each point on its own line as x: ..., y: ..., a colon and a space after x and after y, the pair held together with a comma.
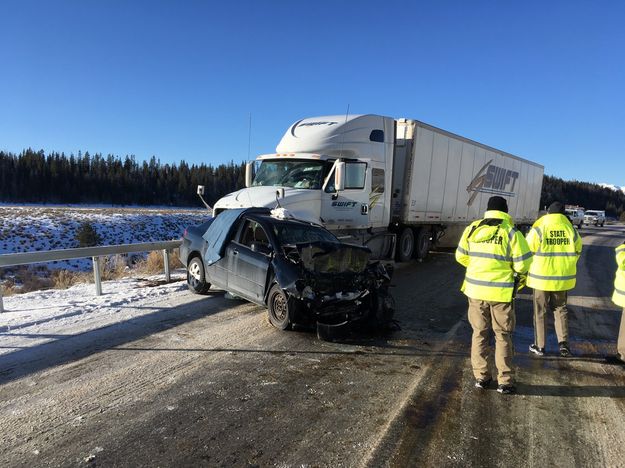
x: 406, y: 245
x: 279, y: 308
x: 195, y: 276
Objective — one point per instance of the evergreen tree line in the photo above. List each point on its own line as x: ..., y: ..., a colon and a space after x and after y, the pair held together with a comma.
x: 590, y: 196
x: 36, y: 177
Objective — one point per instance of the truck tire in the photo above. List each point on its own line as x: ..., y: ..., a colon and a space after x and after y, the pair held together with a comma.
x: 423, y: 243
x: 602, y: 224
x: 406, y: 245
x: 279, y: 308
x: 196, y: 280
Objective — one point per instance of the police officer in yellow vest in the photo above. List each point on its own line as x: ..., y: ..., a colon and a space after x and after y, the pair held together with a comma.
x: 493, y: 251
x: 556, y: 246
x: 619, y: 299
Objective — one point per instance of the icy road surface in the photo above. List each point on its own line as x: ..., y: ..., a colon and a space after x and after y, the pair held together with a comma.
x: 151, y: 375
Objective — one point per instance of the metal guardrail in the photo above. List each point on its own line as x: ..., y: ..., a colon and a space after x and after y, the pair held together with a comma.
x: 96, y: 253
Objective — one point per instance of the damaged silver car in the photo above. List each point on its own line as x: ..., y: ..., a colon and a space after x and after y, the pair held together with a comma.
x: 300, y: 271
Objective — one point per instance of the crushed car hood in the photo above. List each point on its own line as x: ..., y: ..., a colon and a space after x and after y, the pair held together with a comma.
x: 329, y: 257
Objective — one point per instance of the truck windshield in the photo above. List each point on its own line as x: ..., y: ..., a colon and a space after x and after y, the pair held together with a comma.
x: 289, y: 233
x: 296, y: 173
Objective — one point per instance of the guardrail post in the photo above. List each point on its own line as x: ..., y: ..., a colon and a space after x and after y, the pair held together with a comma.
x: 166, y: 263
x: 96, y: 275
x: 1, y: 304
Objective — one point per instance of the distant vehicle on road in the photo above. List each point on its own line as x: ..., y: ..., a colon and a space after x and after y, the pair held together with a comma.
x: 594, y: 217
x: 576, y: 215
x: 300, y: 271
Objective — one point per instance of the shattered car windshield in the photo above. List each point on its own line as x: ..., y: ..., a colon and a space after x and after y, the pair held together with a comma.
x: 288, y: 233
x: 306, y: 174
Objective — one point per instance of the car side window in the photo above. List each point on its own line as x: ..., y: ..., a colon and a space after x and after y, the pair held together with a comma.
x: 253, y: 232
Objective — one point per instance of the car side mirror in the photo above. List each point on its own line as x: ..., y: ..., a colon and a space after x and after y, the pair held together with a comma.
x: 261, y: 248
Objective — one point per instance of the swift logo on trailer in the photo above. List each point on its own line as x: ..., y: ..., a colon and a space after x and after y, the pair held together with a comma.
x: 494, y: 180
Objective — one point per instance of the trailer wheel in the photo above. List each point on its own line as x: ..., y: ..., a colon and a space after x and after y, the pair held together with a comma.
x: 406, y: 245
x: 423, y: 243
x: 279, y: 308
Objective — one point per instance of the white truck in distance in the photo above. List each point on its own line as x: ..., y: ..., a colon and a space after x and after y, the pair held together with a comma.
x: 594, y: 217
x: 576, y: 215
x: 373, y: 180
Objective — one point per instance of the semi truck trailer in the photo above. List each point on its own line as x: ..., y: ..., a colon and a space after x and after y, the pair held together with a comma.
x: 398, y: 186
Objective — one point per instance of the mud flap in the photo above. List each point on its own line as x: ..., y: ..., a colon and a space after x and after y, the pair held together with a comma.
x: 383, y: 308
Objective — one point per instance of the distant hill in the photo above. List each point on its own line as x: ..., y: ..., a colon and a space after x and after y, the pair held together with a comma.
x: 613, y: 187
x: 590, y: 196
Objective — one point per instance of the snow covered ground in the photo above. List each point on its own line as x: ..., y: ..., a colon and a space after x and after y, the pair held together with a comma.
x: 37, y: 228
x: 51, y: 315
x: 42, y: 316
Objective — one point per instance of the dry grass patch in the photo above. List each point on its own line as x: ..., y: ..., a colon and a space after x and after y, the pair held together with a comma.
x: 64, y: 279
x: 155, y: 263
x: 26, y: 279
x: 114, y: 267
x: 7, y: 288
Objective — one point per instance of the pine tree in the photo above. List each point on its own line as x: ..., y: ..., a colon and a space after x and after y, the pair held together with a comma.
x: 87, y: 235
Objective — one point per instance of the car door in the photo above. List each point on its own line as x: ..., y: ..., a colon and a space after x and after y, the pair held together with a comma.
x: 348, y: 208
x: 248, y: 275
x: 217, y: 273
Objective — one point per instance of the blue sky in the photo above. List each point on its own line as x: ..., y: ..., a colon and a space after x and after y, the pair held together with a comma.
x: 179, y: 80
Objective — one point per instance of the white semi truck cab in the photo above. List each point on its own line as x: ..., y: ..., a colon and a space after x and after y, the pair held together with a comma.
x: 335, y: 171
x: 384, y: 182
x: 316, y: 157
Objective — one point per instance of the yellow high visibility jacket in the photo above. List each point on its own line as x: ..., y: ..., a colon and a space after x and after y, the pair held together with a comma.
x: 619, y: 282
x: 492, y: 250
x: 556, y: 246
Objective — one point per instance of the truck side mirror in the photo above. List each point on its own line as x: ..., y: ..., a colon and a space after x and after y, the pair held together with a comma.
x: 249, y: 173
x: 339, y: 177
x: 200, y: 193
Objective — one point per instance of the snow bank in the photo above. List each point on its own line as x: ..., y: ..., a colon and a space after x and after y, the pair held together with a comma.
x: 38, y: 228
x: 42, y: 316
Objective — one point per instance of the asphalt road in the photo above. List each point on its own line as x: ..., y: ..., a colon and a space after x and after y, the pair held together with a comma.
x: 206, y: 381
